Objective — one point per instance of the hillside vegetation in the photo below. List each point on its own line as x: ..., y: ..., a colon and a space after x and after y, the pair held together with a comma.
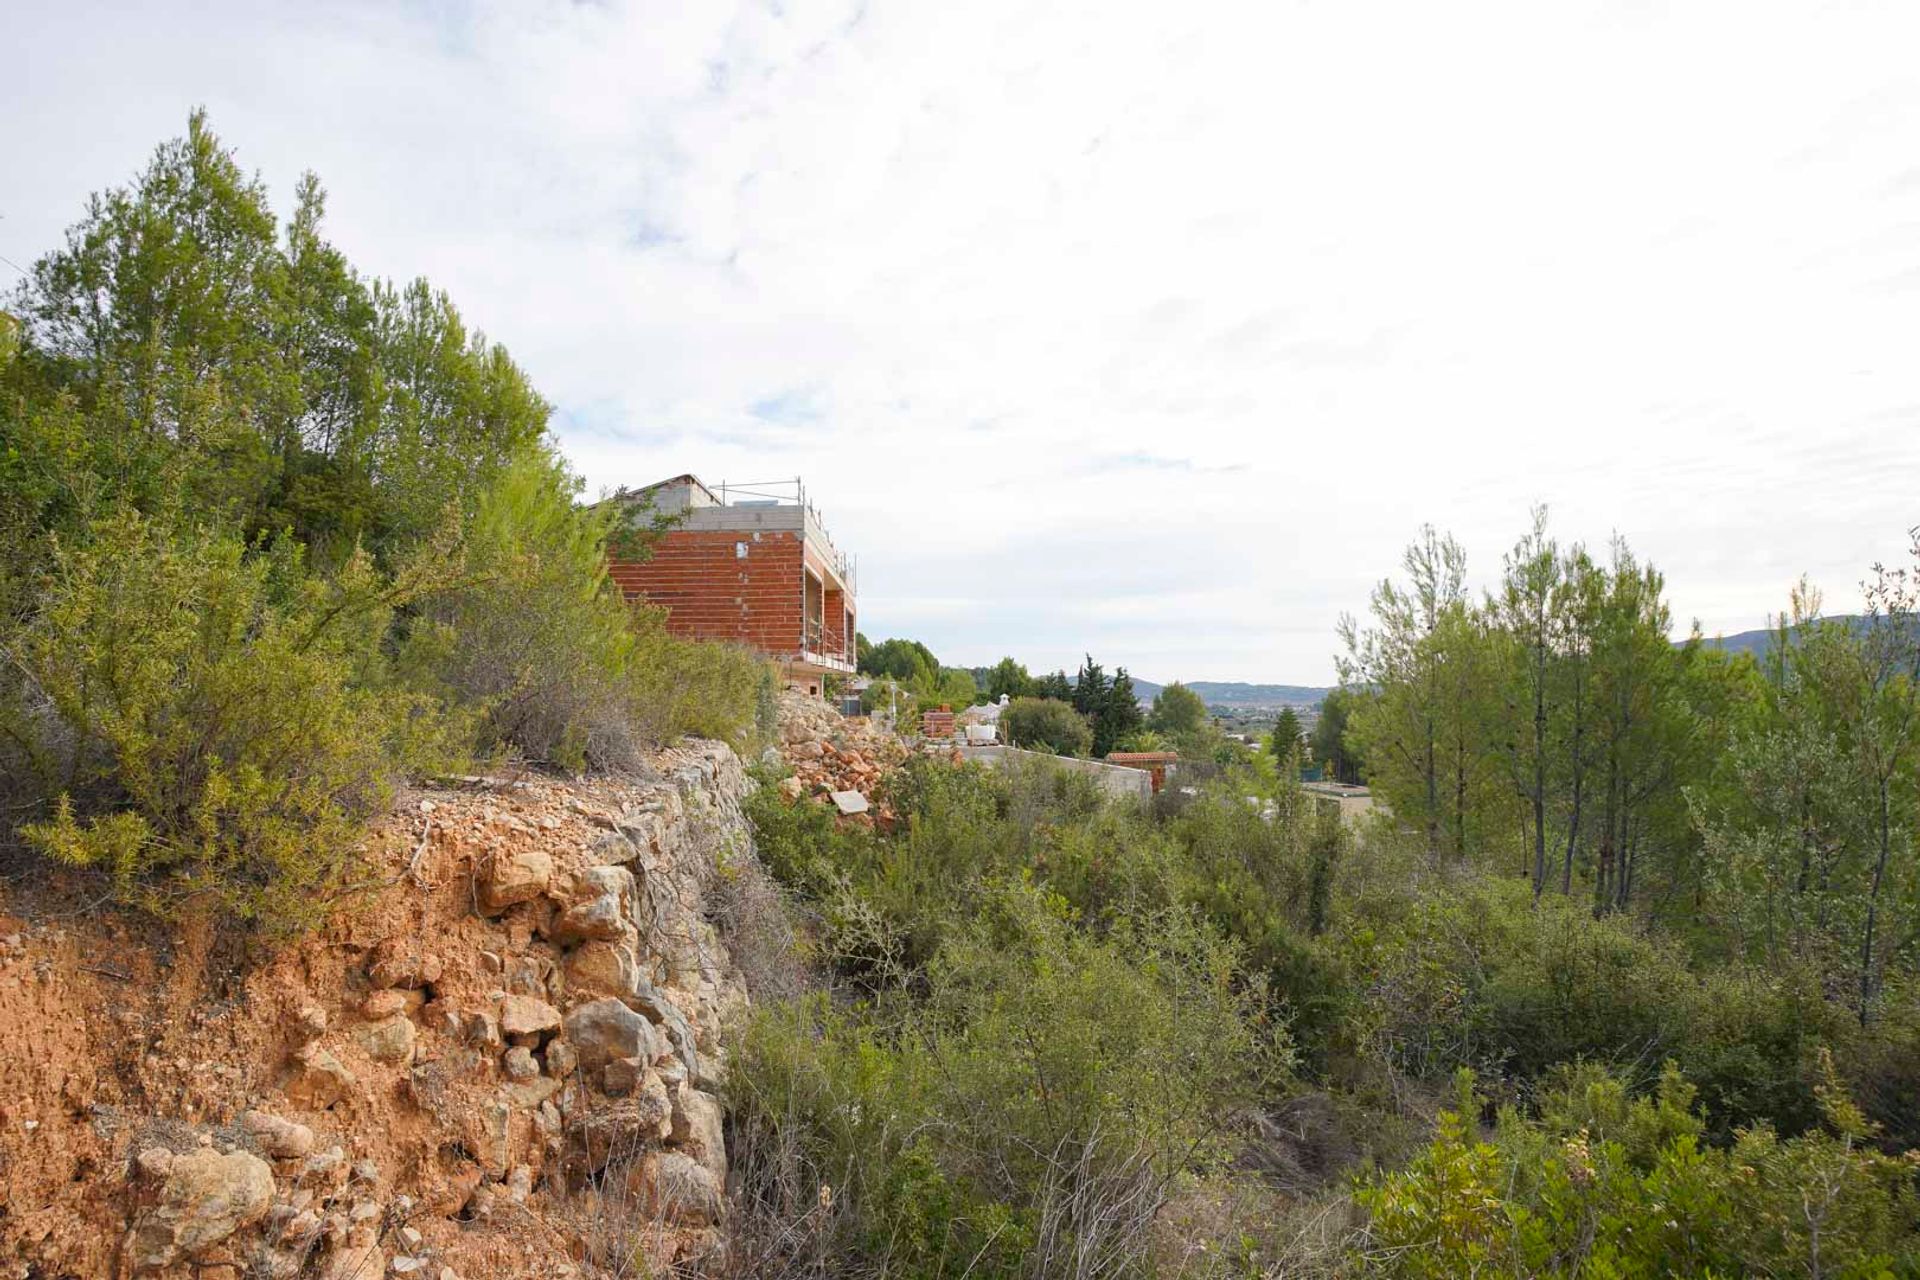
x: 273, y: 537
x: 1620, y: 982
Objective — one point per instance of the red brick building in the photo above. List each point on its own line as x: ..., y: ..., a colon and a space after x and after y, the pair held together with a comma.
x: 752, y: 565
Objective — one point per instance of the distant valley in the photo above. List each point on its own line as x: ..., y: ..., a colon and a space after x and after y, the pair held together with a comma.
x: 1242, y: 696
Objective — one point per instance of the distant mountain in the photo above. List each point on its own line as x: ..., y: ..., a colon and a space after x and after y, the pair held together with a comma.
x: 1759, y: 643
x: 1234, y: 693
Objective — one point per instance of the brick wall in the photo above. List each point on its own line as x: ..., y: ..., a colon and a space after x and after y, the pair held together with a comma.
x: 712, y: 592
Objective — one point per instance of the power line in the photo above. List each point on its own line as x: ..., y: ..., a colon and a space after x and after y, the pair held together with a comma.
x: 9, y: 261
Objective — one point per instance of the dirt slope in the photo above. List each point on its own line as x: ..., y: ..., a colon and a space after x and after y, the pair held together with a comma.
x: 496, y: 1060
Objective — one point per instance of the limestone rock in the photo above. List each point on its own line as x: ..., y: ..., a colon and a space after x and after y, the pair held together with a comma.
x: 631, y: 1124
x: 400, y: 962
x: 479, y: 1027
x: 384, y: 1004
x: 648, y: 999
x: 207, y: 1197
x: 697, y: 1130
x: 672, y: 1187
x: 604, y: 1030
x: 603, y: 969
x: 281, y: 1139
x: 515, y: 876
x: 526, y: 1016
x: 153, y: 1164
x: 366, y: 1261
x: 319, y: 1081
x: 622, y: 1076
x: 519, y: 1064
x: 390, y: 1041
x: 600, y: 909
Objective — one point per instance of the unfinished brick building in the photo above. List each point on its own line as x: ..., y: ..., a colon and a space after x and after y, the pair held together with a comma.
x: 751, y: 564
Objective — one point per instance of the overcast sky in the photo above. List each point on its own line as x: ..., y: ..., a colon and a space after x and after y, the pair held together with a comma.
x: 1154, y: 330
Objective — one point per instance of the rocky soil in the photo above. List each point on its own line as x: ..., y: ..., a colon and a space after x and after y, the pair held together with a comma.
x: 499, y: 1059
x: 830, y: 753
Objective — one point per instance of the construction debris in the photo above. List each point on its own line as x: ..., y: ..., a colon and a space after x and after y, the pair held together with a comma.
x: 838, y: 760
x: 848, y: 802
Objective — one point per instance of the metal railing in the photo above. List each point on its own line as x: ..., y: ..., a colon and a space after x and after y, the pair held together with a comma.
x: 793, y: 493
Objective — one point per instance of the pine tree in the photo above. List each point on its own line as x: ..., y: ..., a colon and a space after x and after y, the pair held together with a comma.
x: 1286, y: 738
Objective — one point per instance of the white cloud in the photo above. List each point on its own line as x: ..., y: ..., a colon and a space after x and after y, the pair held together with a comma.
x: 1148, y: 330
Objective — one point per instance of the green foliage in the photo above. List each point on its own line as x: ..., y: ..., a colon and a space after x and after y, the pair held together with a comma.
x: 1177, y: 710
x: 1287, y: 739
x: 273, y: 537
x: 214, y: 724
x: 1110, y: 705
x: 534, y: 632
x: 1020, y: 1110
x: 1054, y: 686
x: 1604, y: 1184
x: 902, y: 660
x: 1008, y: 679
x: 1332, y: 745
x: 248, y: 379
x: 1816, y: 853
x: 1045, y: 725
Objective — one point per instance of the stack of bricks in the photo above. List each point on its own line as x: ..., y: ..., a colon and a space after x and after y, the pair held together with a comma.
x: 937, y: 724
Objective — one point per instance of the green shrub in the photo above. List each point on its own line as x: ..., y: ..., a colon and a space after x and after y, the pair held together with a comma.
x: 1605, y: 1184
x: 1041, y: 724
x: 1038, y: 1104
x: 210, y: 724
x: 699, y: 687
x: 536, y: 636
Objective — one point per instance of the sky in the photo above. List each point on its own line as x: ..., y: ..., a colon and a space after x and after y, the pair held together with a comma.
x: 1153, y: 331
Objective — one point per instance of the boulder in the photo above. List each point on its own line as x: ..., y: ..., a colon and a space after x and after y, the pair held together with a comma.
x: 479, y: 1027
x: 697, y: 1129
x: 673, y: 1188
x: 625, y: 1127
x: 281, y: 1139
x: 514, y: 876
x: 526, y: 1016
x: 612, y: 848
x: 519, y: 1064
x: 399, y: 962
x: 623, y: 1076
x: 385, y: 1004
x: 319, y: 1081
x: 604, y: 1030
x: 603, y: 969
x: 600, y: 907
x: 207, y: 1197
x: 153, y: 1164
x: 649, y: 1000
x: 390, y: 1041
x: 365, y: 1261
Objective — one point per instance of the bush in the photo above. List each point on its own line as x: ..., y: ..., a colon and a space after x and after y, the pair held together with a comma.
x: 210, y: 724
x: 533, y: 632
x: 699, y: 687
x: 1027, y: 1118
x: 1041, y: 724
x: 536, y: 636
x: 1604, y: 1184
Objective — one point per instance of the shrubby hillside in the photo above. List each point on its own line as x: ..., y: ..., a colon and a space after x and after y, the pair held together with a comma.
x: 1620, y: 980
x: 273, y: 537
